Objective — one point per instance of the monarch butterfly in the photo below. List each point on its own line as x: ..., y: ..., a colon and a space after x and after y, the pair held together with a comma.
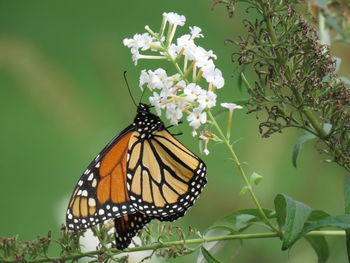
x: 144, y: 173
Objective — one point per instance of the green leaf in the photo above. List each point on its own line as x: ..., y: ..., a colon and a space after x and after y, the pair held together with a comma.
x: 320, y: 245
x: 347, y: 210
x: 291, y: 216
x: 244, y: 189
x: 317, y: 215
x: 340, y: 221
x: 245, y: 81
x: 208, y: 257
x: 240, y: 79
x: 240, y: 220
x: 297, y: 147
x: 255, y: 178
x: 230, y: 230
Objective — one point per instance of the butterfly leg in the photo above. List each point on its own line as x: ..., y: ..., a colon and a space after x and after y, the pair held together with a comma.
x: 170, y: 126
x: 177, y: 134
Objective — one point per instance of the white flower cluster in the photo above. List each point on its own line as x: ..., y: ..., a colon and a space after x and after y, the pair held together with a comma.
x: 182, y: 92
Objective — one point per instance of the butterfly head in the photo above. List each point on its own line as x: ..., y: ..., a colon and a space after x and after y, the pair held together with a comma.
x: 146, y: 122
x: 143, y: 108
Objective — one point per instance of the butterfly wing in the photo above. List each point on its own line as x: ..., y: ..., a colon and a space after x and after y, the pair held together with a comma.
x: 127, y: 226
x: 101, y: 191
x: 164, y: 177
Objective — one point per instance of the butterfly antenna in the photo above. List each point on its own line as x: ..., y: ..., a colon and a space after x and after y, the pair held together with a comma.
x: 127, y: 84
x: 143, y: 92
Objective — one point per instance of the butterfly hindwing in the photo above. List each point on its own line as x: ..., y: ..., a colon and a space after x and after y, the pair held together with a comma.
x: 126, y: 227
x: 101, y: 192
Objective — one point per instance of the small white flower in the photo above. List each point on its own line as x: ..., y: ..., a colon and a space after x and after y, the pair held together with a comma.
x: 135, y: 55
x: 214, y: 76
x: 155, y: 46
x: 218, y: 81
x: 144, y: 78
x: 165, y: 93
x: 196, y: 32
x: 174, y: 78
x: 230, y: 106
x: 173, y: 50
x: 142, y: 42
x: 185, y: 42
x: 207, y: 99
x: 156, y: 101
x: 206, y: 66
x: 174, y: 18
x: 197, y: 117
x: 181, y: 85
x: 190, y: 51
x: 192, y: 91
x: 206, y: 151
x: 194, y: 133
x: 174, y: 112
x: 158, y: 79
x: 202, y: 56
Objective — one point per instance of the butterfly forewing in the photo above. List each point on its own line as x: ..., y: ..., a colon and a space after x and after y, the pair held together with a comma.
x: 101, y: 192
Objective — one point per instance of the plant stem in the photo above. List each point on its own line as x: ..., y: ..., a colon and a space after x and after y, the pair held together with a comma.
x: 273, y: 38
x: 172, y: 244
x: 242, y: 173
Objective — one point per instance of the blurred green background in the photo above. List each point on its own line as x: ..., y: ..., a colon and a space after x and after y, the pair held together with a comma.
x: 63, y: 98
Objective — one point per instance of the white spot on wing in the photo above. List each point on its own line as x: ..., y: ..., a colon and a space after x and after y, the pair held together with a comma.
x: 91, y: 176
x: 92, y: 202
x: 94, y: 183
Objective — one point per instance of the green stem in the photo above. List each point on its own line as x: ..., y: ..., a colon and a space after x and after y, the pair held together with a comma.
x: 242, y: 173
x: 172, y: 244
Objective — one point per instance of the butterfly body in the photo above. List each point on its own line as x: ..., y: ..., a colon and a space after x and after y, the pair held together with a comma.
x: 144, y: 173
